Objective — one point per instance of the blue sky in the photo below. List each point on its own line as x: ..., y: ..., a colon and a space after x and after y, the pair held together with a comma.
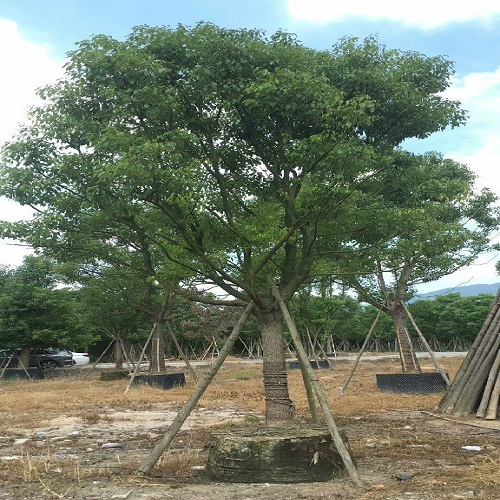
x: 36, y: 35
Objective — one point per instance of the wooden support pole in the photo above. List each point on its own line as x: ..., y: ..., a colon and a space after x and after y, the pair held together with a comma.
x: 309, y: 392
x: 7, y: 364
x: 126, y: 356
x: 488, y: 404
x: 301, y: 354
x: 324, y: 355
x: 471, y: 361
x: 99, y: 359
x: 181, y: 353
x: 181, y: 417
x: 25, y: 370
x: 137, y: 366
x: 427, y: 347
x: 360, y: 353
x: 492, y: 412
x: 478, y: 373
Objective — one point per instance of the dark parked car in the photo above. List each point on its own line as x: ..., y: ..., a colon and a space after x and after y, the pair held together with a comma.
x: 47, y: 359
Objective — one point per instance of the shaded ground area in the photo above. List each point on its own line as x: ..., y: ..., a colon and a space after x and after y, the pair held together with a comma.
x: 84, y: 439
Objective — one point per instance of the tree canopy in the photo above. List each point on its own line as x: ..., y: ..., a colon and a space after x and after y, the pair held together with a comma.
x: 425, y: 221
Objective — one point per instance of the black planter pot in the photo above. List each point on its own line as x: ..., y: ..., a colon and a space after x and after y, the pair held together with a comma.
x: 161, y: 381
x: 13, y: 374
x: 315, y: 365
x: 411, y: 383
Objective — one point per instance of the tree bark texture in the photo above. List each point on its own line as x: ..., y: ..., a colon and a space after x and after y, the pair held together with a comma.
x: 118, y: 354
x: 157, y: 361
x: 476, y: 387
x: 279, y: 406
x: 409, y: 361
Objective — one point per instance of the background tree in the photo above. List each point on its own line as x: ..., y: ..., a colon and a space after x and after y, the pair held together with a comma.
x: 451, y: 320
x: 112, y: 303
x: 36, y: 312
x: 326, y: 318
x: 203, y: 327
x: 429, y: 223
x: 232, y: 150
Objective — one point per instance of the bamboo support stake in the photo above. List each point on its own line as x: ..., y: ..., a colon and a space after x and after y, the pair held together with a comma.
x: 491, y: 383
x: 158, y: 354
x: 427, y: 346
x: 492, y: 412
x: 126, y: 356
x: 138, y: 365
x: 478, y: 375
x: 99, y: 359
x: 25, y: 370
x: 449, y: 401
x: 311, y: 346
x: 492, y: 315
x: 309, y: 392
x: 205, y: 353
x: 6, y: 365
x: 363, y: 347
x: 184, y: 413
x: 324, y: 355
x: 301, y: 354
x: 181, y: 353
x: 246, y: 349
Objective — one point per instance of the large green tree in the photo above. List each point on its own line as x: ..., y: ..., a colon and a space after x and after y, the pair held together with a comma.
x: 326, y: 318
x: 231, y: 151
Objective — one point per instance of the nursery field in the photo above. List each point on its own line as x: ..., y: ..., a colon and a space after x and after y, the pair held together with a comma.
x: 65, y: 437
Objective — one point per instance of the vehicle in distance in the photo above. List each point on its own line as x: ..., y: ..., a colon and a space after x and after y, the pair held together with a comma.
x: 47, y: 359
x: 80, y: 358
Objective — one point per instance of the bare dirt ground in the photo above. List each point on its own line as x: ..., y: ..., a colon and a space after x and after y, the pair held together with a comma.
x: 65, y: 437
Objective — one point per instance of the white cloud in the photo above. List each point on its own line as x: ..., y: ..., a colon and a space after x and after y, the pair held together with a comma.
x: 424, y: 14
x: 479, y: 93
x: 12, y: 252
x: 25, y: 66
x: 474, y: 85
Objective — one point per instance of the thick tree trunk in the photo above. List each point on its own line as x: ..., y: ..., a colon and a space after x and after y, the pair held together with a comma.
x: 330, y: 422
x: 118, y: 354
x: 409, y: 361
x: 279, y: 407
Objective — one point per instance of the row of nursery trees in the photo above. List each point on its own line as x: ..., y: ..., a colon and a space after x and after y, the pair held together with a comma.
x: 39, y: 308
x: 192, y: 158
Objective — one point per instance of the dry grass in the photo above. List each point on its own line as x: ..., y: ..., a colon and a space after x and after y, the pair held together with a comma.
x: 242, y: 383
x: 387, y: 432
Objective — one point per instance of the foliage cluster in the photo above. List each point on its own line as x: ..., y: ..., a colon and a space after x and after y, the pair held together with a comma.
x: 36, y: 312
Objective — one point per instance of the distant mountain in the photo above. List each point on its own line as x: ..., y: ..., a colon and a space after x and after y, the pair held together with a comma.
x: 464, y: 291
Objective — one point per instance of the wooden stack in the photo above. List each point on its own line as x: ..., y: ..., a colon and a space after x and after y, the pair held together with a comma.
x: 476, y: 387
